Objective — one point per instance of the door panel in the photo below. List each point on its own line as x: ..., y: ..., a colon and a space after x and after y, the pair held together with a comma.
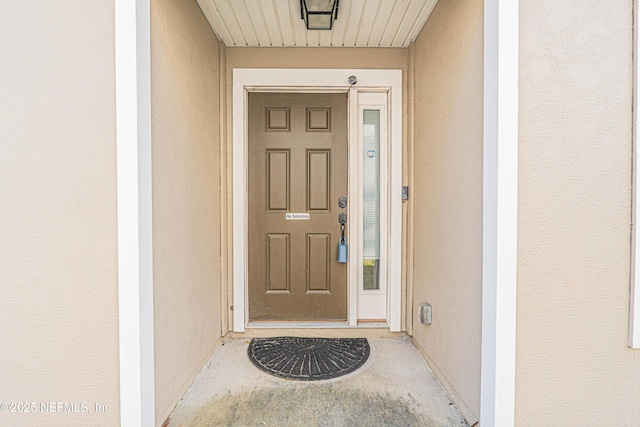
x: 318, y: 179
x: 297, y: 164
x: 278, y: 262
x: 318, y: 262
x: 278, y: 180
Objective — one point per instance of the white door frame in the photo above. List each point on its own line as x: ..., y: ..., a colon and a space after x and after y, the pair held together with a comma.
x: 135, y: 257
x: 248, y: 79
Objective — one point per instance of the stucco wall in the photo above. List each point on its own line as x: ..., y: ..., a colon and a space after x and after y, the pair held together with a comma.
x: 573, y: 364
x: 317, y: 57
x: 447, y: 269
x: 186, y: 196
x: 58, y: 236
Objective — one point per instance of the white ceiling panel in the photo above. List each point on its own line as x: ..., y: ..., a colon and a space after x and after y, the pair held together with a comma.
x: 360, y: 23
x: 382, y: 19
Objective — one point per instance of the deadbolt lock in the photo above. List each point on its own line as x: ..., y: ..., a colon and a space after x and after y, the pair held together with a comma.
x: 342, y: 202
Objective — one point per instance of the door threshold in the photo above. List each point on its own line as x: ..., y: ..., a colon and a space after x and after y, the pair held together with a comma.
x: 297, y: 325
x: 320, y: 332
x: 317, y: 325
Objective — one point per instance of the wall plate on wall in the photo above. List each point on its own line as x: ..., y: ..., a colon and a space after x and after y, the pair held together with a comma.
x: 426, y: 313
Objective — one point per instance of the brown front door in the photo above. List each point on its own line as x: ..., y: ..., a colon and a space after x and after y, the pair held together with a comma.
x: 297, y: 165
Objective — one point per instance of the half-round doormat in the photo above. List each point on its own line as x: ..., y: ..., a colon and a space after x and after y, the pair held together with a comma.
x: 308, y: 359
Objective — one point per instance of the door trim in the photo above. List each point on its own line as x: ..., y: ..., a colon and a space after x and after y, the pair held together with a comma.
x: 321, y: 80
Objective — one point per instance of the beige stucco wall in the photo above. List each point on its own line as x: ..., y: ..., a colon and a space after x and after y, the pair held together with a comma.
x: 317, y: 57
x: 185, y: 110
x: 58, y: 236
x: 573, y: 364
x: 448, y: 91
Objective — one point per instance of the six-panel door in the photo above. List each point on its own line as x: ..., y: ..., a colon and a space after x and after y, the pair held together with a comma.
x: 297, y: 172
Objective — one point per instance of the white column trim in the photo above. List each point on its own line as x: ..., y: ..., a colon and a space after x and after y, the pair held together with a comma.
x: 634, y: 286
x: 323, y: 79
x: 500, y: 212
x: 135, y: 270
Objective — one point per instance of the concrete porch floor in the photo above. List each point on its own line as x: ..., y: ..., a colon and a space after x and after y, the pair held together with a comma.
x: 395, y: 387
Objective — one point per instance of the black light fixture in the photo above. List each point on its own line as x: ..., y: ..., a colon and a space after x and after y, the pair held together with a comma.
x: 319, y: 14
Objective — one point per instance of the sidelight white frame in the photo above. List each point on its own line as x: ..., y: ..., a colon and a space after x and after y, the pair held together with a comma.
x: 634, y: 285
x: 373, y: 304
x: 320, y: 80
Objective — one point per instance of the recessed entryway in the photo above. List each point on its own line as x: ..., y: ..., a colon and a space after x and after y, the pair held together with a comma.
x: 134, y: 196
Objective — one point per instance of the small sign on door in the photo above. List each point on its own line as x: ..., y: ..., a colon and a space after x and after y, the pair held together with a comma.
x: 298, y: 216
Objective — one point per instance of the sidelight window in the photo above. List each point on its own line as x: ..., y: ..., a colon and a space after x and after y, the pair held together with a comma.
x: 371, y: 200
x: 372, y: 206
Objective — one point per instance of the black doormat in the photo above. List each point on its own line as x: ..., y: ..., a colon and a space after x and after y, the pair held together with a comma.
x: 308, y: 359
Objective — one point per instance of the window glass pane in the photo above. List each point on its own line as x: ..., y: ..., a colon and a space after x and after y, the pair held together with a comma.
x: 371, y: 199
